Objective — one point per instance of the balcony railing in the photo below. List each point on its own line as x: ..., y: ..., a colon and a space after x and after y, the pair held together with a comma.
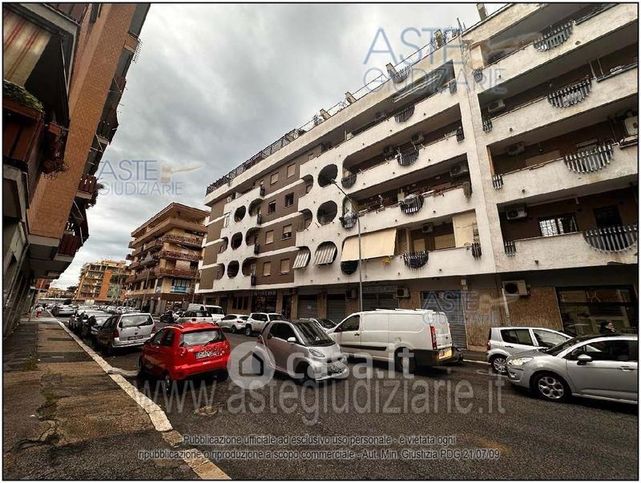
x: 404, y: 115
x: 415, y: 259
x: 612, y: 238
x: 590, y: 160
x: 183, y: 240
x: 88, y: 184
x: 554, y: 37
x: 176, y: 255
x: 411, y: 204
x: 69, y: 244
x: 175, y: 272
x: 572, y: 94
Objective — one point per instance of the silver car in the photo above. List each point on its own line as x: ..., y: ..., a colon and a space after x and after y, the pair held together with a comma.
x: 125, y: 330
x: 595, y: 366
x: 503, y: 342
x: 302, y: 350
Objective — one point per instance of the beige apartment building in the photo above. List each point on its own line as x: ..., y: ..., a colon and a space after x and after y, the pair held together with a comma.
x: 102, y: 281
x: 495, y: 178
x: 165, y: 253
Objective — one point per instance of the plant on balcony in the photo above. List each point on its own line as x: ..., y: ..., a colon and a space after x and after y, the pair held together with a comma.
x: 415, y: 260
x: 349, y: 180
x: 20, y: 95
x: 590, y: 160
x: 612, y: 239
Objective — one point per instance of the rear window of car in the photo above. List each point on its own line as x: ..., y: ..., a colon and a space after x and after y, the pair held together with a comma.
x: 136, y: 320
x: 244, y: 317
x: 201, y: 337
x: 517, y: 336
x: 214, y: 310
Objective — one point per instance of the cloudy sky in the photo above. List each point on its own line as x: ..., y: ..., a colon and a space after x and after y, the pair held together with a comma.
x: 214, y: 84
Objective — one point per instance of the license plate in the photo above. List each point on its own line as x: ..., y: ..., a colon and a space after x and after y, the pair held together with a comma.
x: 445, y: 354
x: 136, y: 337
x: 205, y: 354
x: 335, y: 367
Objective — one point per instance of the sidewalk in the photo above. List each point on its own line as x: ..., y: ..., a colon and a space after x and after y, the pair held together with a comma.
x: 65, y: 418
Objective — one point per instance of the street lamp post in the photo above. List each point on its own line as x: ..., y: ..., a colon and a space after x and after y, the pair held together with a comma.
x: 360, y: 252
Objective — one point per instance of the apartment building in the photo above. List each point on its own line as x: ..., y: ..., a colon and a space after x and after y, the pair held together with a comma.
x: 64, y: 75
x: 102, y: 281
x: 165, y: 253
x: 495, y: 178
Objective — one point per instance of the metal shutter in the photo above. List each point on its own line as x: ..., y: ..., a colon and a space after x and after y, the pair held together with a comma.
x: 449, y: 302
x: 336, y: 307
x: 307, y: 306
x: 379, y: 301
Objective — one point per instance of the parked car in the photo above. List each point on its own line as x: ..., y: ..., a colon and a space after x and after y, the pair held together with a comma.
x: 326, y: 324
x: 179, y: 351
x: 387, y: 334
x: 594, y: 366
x: 301, y: 349
x: 125, y: 330
x: 234, y: 322
x: 216, y: 311
x: 192, y: 316
x: 257, y: 321
x: 457, y: 357
x: 64, y: 311
x: 506, y: 341
x: 77, y: 321
x: 94, y: 323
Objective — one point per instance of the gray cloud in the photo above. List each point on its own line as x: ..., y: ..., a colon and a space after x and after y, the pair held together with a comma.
x: 214, y: 84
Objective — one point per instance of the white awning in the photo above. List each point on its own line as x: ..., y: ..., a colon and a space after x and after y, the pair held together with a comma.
x: 325, y: 254
x: 373, y: 245
x: 302, y: 258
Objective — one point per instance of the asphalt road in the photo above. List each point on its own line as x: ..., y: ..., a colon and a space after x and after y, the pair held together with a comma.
x: 473, y: 425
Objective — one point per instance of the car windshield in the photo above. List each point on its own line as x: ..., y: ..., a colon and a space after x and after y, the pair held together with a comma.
x: 327, y: 324
x: 201, y: 337
x: 557, y: 349
x: 312, y: 334
x: 200, y: 314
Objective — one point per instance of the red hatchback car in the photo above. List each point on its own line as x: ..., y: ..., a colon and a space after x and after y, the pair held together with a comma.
x: 179, y: 351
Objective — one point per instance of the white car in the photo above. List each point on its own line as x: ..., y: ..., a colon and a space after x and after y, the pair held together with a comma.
x: 234, y: 322
x: 195, y: 316
x: 257, y: 321
x: 215, y: 311
x: 420, y: 337
x: 326, y: 324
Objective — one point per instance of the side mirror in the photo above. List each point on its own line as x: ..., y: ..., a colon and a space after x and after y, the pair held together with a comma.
x: 583, y: 359
x: 291, y: 340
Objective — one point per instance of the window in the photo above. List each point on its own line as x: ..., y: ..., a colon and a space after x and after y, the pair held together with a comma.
x: 517, y: 336
x: 557, y: 225
x: 287, y: 232
x: 608, y: 350
x: 168, y: 339
x: 274, y: 178
x: 289, y: 199
x: 267, y: 269
x: 282, y: 331
x: 284, y: 265
x: 271, y: 207
x: 349, y: 325
x: 545, y: 338
x: 269, y: 237
x: 136, y: 321
x: 291, y: 170
x: 156, y: 338
x: 225, y: 220
x: 607, y: 216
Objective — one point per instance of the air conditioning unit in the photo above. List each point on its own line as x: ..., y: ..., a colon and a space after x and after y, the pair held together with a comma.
x: 351, y: 293
x: 427, y: 228
x: 496, y: 106
x: 632, y: 125
x: 515, y: 149
x: 459, y: 169
x: 418, y: 138
x: 402, y: 293
x: 389, y: 151
x: 515, y: 288
x: 516, y: 212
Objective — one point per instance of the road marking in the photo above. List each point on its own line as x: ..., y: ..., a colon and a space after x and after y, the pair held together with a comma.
x: 203, y: 467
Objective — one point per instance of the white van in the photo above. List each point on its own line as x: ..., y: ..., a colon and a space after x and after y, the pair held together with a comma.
x: 215, y: 311
x: 383, y: 334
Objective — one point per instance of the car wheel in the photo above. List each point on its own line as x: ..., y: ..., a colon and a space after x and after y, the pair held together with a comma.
x: 498, y: 364
x: 233, y: 329
x: 303, y: 373
x: 167, y: 382
x: 398, y: 361
x: 551, y: 387
x: 248, y: 330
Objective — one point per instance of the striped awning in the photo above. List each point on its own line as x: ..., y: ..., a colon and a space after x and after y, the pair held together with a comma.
x: 23, y: 44
x: 302, y: 258
x: 325, y: 254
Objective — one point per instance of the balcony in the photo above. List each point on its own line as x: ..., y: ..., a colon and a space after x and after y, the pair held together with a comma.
x: 609, y: 166
x: 592, y: 248
x: 541, y: 112
x: 87, y: 187
x: 188, y: 241
x: 175, y: 272
x: 429, y: 155
x: 69, y: 244
x: 583, y: 32
x: 177, y: 255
